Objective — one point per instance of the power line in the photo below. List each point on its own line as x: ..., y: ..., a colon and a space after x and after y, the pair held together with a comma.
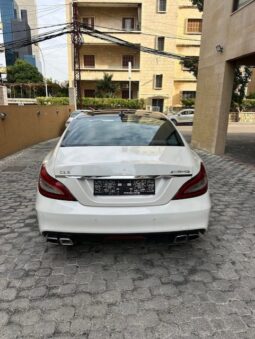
x: 120, y: 42
x: 155, y: 25
x: 150, y: 34
x: 35, y: 29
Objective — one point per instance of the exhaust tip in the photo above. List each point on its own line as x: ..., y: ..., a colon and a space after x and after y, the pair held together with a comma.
x: 180, y: 239
x: 66, y: 241
x: 51, y: 239
x: 193, y: 236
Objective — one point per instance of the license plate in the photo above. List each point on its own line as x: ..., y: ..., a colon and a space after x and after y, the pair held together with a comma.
x: 124, y: 186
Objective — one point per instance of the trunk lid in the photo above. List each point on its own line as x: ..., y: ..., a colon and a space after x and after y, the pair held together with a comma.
x: 77, y: 167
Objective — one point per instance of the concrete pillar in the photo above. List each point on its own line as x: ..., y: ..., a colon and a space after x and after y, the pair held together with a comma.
x: 214, y: 93
x: 3, y: 96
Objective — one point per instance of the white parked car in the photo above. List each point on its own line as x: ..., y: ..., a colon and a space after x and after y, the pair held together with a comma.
x: 184, y: 117
x: 75, y: 114
x: 122, y: 174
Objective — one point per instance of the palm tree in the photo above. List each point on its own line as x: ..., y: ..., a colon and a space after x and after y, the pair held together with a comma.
x: 106, y: 88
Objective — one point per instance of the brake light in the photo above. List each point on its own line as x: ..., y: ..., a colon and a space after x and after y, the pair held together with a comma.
x: 194, y: 187
x: 52, y: 188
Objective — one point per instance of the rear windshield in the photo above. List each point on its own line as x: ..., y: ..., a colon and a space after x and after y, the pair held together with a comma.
x: 75, y: 113
x: 121, y: 130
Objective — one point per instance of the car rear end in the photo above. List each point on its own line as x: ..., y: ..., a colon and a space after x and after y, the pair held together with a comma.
x: 122, y: 174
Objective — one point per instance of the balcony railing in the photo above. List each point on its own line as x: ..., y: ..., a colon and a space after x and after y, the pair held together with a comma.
x: 135, y: 68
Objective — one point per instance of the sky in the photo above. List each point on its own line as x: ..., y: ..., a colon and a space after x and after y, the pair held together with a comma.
x: 52, y: 12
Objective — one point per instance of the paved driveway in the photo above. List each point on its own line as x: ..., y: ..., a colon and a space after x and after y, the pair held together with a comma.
x: 203, y: 289
x: 240, y: 143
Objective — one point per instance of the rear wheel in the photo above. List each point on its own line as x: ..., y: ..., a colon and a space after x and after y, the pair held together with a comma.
x: 174, y: 121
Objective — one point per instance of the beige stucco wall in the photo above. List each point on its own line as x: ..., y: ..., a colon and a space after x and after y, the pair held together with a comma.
x: 235, y: 32
x: 29, y: 125
x: 171, y: 24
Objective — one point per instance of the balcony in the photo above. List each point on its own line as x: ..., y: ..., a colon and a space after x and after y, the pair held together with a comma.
x: 97, y: 60
x: 122, y: 20
x: 133, y: 37
x: 119, y: 74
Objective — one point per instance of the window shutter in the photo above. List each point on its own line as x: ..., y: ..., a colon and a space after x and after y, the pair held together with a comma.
x: 89, y: 60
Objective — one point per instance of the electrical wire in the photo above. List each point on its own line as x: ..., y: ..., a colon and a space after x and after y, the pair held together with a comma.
x: 107, y: 37
x: 150, y: 34
x: 16, y: 44
x: 36, y: 29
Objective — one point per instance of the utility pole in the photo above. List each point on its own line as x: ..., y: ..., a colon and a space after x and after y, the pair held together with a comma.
x: 77, y: 43
x: 44, y: 70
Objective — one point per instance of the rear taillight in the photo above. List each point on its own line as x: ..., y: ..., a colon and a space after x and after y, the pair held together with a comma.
x: 52, y: 188
x: 194, y: 187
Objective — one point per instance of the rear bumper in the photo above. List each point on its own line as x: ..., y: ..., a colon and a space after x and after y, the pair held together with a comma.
x: 72, y: 217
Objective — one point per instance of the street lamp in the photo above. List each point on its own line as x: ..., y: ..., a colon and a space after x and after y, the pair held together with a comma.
x: 44, y: 70
x: 129, y: 80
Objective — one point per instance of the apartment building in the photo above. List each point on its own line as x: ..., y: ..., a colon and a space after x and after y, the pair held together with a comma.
x: 167, y: 25
x: 15, y: 27
x: 30, y: 6
x: 228, y: 41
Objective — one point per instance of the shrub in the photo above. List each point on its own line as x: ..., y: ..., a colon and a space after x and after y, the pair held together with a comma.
x: 249, y: 104
x: 188, y: 102
x: 99, y: 103
x: 251, y: 96
x: 52, y: 101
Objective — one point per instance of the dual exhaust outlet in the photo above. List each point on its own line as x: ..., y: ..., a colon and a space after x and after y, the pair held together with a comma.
x: 67, y: 241
x: 182, y: 238
x: 64, y: 241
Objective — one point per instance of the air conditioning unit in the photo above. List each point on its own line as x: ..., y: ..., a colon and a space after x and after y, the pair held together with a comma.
x: 149, y: 108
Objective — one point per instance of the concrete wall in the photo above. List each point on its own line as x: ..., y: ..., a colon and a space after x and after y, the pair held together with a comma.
x: 25, y: 126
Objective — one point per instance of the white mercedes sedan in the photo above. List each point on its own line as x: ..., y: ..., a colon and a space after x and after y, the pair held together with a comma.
x: 122, y: 173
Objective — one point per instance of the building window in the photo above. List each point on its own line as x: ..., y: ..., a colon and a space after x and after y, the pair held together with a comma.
x: 125, y: 94
x: 128, y: 24
x: 126, y: 59
x: 89, y: 61
x: 160, y: 43
x: 89, y: 21
x: 194, y: 26
x: 161, y: 6
x: 239, y: 3
x: 188, y: 95
x: 89, y: 93
x: 158, y: 81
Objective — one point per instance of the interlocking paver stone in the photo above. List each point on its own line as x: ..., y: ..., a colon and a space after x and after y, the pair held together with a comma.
x: 145, y: 290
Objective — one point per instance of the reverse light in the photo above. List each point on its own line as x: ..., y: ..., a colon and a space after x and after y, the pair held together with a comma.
x: 194, y: 187
x: 52, y: 188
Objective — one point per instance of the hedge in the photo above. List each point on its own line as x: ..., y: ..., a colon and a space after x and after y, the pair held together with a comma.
x: 94, y: 102
x: 112, y: 103
x: 52, y: 101
x: 249, y: 104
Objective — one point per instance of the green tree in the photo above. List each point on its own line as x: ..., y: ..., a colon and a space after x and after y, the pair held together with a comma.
x: 191, y: 64
x: 57, y: 89
x: 199, y: 4
x: 242, y: 77
x: 23, y: 72
x: 106, y: 88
